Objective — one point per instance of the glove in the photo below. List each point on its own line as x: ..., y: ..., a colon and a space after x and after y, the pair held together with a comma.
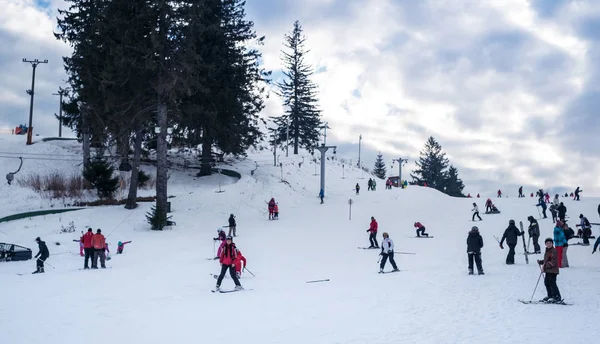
x: 368, y: 230
x: 502, y: 247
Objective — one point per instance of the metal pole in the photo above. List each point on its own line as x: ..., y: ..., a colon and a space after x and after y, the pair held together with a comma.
x: 287, y: 139
x: 323, y: 149
x: 34, y: 64
x: 60, y: 93
x: 359, y: 141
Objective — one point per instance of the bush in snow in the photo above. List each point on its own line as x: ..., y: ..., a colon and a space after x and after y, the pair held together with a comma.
x: 69, y: 229
x: 99, y: 173
x: 54, y: 185
x: 157, y: 221
x: 143, y: 179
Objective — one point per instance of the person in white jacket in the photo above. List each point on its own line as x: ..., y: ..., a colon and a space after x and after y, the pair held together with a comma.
x: 387, y: 252
x: 475, y: 211
x: 556, y: 201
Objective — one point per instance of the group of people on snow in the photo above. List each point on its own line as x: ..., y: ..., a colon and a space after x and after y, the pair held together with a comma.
x: 230, y: 258
x: 273, y: 209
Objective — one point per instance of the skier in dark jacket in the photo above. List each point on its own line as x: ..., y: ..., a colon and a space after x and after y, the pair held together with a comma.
x: 543, y: 205
x: 577, y: 191
x: 553, y: 212
x: 232, y: 225
x: 562, y: 211
x: 511, y: 234
x: 43, y: 254
x: 474, y: 245
x: 534, y: 233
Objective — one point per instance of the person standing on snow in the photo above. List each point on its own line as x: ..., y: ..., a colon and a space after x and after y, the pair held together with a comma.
x: 550, y: 265
x: 232, y: 225
x: 534, y: 233
x: 543, y: 205
x: 553, y: 212
x: 475, y: 211
x: 373, y: 233
x: 521, y: 192
x: 271, y: 204
x: 556, y: 201
x: 227, y: 258
x: 238, y: 263
x: 511, y: 234
x: 547, y: 197
x: 88, y: 248
x: 99, y: 245
x: 474, y: 245
x: 488, y: 205
x: 387, y: 252
x: 357, y: 187
x: 41, y: 256
x: 559, y: 241
x: 370, y: 184
x: 586, y: 229
x: 562, y: 211
x: 569, y: 233
x: 321, y: 195
x: 577, y: 191
x: 420, y: 228
x: 374, y: 186
x: 499, y: 193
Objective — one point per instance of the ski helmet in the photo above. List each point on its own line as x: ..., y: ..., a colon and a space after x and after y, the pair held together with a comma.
x: 229, y: 237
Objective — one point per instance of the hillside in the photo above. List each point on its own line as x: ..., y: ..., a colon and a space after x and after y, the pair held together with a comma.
x: 158, y: 291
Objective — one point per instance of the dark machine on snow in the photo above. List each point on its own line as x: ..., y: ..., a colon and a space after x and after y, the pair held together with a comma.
x: 12, y: 252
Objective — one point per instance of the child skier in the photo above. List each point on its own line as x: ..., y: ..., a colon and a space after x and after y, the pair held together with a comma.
x: 420, y: 228
x: 387, y: 252
x: 227, y: 258
x: 238, y: 263
x: 488, y: 205
x: 475, y: 211
x: 121, y: 246
x: 550, y: 267
x: 276, y: 212
x: 232, y: 225
x: 271, y: 208
x: 474, y: 245
x: 534, y: 233
x: 373, y: 233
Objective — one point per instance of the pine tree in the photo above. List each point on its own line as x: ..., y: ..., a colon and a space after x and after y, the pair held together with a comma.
x: 379, y: 170
x: 431, y: 166
x: 454, y: 185
x: 99, y: 174
x: 302, y: 119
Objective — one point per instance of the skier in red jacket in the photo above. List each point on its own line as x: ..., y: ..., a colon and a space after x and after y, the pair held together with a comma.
x: 420, y: 228
x: 227, y: 258
x: 238, y: 263
x: 88, y: 248
x: 373, y: 233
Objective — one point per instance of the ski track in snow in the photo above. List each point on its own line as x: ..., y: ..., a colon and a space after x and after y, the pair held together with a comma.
x: 158, y: 291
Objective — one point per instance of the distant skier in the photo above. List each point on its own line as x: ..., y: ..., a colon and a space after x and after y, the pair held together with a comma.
x: 80, y: 241
x: 374, y: 187
x: 556, y: 201
x: 41, y: 256
x: 221, y: 236
x: 420, y: 229
x: 227, y: 258
x: 559, y: 240
x: 586, y: 229
x: 276, y: 212
x: 370, y: 184
x: 238, y: 263
x: 321, y: 195
x: 499, y: 193
x: 373, y: 233
x: 475, y: 211
x: 488, y: 205
x: 387, y: 252
x: 99, y: 244
x: 543, y: 205
x: 271, y: 208
x: 511, y: 234
x: 474, y: 245
x: 577, y: 191
x: 562, y: 211
x: 232, y: 225
x: 521, y: 192
x: 357, y: 187
x: 553, y: 212
x: 477, y: 195
x: 550, y: 265
x: 121, y: 246
x: 88, y: 248
x: 547, y: 198
x: 534, y: 233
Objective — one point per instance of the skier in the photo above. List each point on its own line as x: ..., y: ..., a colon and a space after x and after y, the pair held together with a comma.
x: 511, y: 234
x: 569, y: 233
x: 357, y: 187
x: 586, y: 229
x: 475, y: 211
x: 80, y: 245
x: 374, y: 186
x: 99, y: 245
x: 227, y: 258
x: 556, y: 201
x: 387, y: 252
x: 562, y: 211
x: 477, y: 195
x: 559, y: 241
x: 43, y: 254
x: 276, y: 212
x: 540, y: 195
x: 232, y: 225
x: 499, y: 193
x: 88, y: 248
x: 121, y: 246
x: 547, y: 198
x: 238, y: 263
x: 373, y: 233
x: 370, y: 185
x: 543, y: 205
x: 550, y: 265
x: 220, y: 235
x: 271, y: 207
x: 488, y: 205
x: 521, y: 192
x: 534, y: 233
x: 553, y: 212
x: 321, y: 195
x: 474, y: 245
x: 420, y: 228
x: 577, y: 191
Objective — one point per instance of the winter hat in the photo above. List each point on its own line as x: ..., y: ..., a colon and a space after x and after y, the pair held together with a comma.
x: 119, y: 243
x: 385, y: 234
x: 548, y: 239
x: 38, y: 239
x: 474, y: 228
x: 229, y: 237
x: 219, y: 230
x: 99, y: 230
x: 580, y: 215
x: 511, y: 222
x: 89, y: 229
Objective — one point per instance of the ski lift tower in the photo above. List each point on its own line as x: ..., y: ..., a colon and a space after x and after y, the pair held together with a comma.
x: 400, y: 162
x: 322, y: 148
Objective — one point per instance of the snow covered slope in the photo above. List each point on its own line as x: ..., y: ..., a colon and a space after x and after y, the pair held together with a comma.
x: 158, y: 291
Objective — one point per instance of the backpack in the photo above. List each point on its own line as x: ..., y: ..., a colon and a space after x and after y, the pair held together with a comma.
x: 569, y: 233
x: 586, y: 222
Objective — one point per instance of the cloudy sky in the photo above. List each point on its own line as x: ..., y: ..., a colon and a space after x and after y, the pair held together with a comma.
x: 508, y: 87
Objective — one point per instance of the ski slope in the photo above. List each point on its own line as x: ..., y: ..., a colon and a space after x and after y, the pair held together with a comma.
x: 158, y: 291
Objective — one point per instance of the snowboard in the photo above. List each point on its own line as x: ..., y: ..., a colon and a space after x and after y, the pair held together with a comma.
x: 229, y: 291
x: 545, y: 303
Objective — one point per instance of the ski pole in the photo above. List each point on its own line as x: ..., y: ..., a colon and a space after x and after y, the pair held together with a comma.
x: 538, y: 282
x: 528, y: 241
x: 214, y: 248
x: 498, y: 240
x: 46, y: 263
x: 378, y: 260
x: 250, y: 272
x: 405, y: 252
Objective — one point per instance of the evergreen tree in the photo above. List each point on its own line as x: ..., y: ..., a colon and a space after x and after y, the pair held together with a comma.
x: 431, y: 166
x: 454, y: 185
x: 379, y: 170
x: 99, y: 174
x: 302, y: 119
